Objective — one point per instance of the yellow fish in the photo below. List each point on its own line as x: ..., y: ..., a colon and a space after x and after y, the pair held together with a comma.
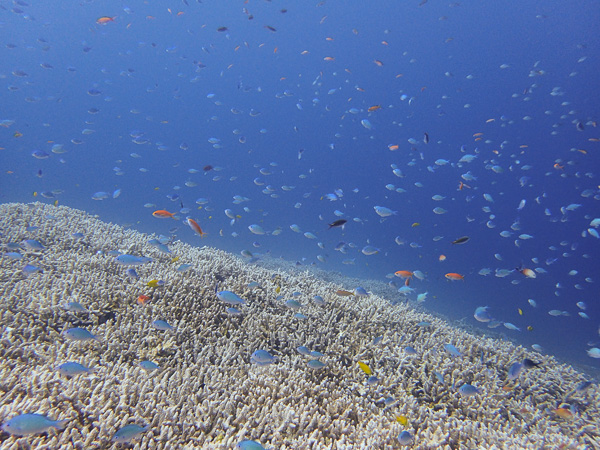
x: 153, y: 283
x: 175, y: 259
x: 402, y: 419
x: 278, y: 289
x: 366, y: 369
x: 416, y: 224
x: 520, y: 312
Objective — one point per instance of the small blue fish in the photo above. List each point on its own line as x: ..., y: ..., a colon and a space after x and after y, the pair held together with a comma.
x: 481, y: 314
x: 468, y: 390
x: 100, y: 195
x: 318, y: 300
x: 130, y: 260
x: 230, y: 298
x: 75, y: 307
x: 360, y: 292
x: 410, y: 350
x: 27, y: 424
x: 515, y: 370
x: 249, y: 445
x: 315, y: 364
x: 184, y: 268
x: 372, y: 380
x: 32, y: 244
x: 233, y: 311
x: 131, y: 273
x: 128, y: 432
x: 163, y: 248
x: 30, y: 269
x: 77, y: 235
x: 303, y: 350
x: 293, y: 304
x: 79, y: 334
x: 149, y: 366
x: 316, y: 355
x: 452, y: 350
x: 262, y: 358
x: 389, y: 401
x: 70, y: 369
x: 439, y: 377
x: 162, y: 325
x: 405, y: 438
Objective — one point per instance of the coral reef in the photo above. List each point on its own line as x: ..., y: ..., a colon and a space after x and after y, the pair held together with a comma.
x: 206, y: 392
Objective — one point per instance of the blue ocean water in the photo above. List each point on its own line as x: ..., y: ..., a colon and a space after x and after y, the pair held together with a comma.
x: 304, y: 110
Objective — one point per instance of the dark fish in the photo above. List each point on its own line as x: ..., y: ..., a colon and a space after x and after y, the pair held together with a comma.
x: 461, y: 240
x: 207, y: 168
x: 338, y: 223
x: 426, y: 138
x: 529, y: 364
x: 269, y: 27
x: 222, y: 29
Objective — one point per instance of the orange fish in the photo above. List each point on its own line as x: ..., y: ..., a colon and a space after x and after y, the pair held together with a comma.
x: 563, y: 413
x: 557, y: 166
x: 528, y: 272
x: 143, y: 299
x: 379, y: 63
x: 105, y: 19
x: 454, y: 276
x: 463, y: 185
x: 344, y: 293
x: 442, y: 258
x: 162, y: 214
x: 403, y: 273
x: 194, y: 226
x: 393, y: 146
x: 329, y: 58
x: 374, y: 108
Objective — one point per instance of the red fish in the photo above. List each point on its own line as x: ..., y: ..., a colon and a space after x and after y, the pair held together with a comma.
x: 454, y: 276
x: 105, y: 19
x: 194, y: 226
x: 162, y: 214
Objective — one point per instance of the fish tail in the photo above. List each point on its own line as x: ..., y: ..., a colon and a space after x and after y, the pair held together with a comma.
x: 61, y: 424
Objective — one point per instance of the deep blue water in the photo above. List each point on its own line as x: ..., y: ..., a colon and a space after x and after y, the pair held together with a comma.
x: 524, y: 74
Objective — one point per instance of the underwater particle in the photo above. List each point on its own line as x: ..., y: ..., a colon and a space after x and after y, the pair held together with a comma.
x: 262, y: 358
x: 27, y: 424
x: 405, y: 438
x: 128, y: 433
